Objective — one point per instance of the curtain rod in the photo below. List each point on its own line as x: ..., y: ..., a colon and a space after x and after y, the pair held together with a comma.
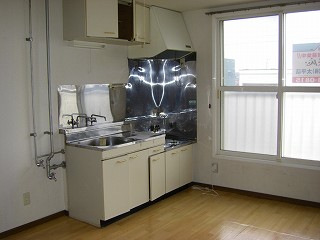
x: 262, y: 6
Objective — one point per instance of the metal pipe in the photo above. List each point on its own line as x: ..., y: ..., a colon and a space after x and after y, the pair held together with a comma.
x: 49, y: 73
x: 50, y: 175
x: 62, y: 151
x: 38, y: 162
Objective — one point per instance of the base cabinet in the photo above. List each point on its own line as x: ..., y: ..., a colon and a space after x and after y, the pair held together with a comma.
x: 138, y: 178
x: 172, y: 170
x: 157, y: 169
x: 178, y: 167
x: 115, y: 186
x: 105, y: 184
x: 186, y: 165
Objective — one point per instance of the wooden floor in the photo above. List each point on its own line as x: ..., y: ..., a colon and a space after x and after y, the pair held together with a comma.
x: 191, y: 214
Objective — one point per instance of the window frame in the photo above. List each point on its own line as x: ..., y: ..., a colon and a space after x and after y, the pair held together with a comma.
x: 280, y: 90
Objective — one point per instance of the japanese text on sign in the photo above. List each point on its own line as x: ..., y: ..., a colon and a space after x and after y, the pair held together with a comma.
x: 306, y: 63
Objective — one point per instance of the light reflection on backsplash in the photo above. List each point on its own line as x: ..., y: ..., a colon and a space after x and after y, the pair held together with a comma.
x: 161, y: 94
x: 91, y: 104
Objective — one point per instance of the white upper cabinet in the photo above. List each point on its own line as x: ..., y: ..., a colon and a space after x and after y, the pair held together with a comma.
x: 120, y: 22
x: 141, y: 23
x: 102, y: 18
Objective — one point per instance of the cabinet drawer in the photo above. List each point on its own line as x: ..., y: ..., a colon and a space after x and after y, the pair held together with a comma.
x: 159, y: 141
x: 120, y: 151
x: 146, y: 144
x: 156, y: 150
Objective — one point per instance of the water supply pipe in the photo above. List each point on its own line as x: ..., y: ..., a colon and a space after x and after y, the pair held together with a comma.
x: 38, y: 160
x: 49, y: 167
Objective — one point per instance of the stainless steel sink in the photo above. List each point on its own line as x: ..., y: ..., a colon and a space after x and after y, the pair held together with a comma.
x: 106, y: 141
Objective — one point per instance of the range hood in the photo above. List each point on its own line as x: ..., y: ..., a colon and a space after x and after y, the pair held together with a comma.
x: 169, y: 38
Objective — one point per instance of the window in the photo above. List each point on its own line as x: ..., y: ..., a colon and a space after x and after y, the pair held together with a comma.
x: 270, y: 86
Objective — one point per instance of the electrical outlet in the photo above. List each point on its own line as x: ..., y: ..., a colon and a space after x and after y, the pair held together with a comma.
x: 214, y: 167
x: 26, y: 198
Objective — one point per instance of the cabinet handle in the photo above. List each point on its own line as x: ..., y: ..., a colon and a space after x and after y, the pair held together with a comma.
x: 133, y: 157
x: 183, y: 150
x: 155, y: 159
x: 157, y: 150
x: 173, y: 153
x: 109, y: 32
x: 121, y: 161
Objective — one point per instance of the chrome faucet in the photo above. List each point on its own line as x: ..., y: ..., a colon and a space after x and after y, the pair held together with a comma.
x: 82, y: 116
x: 95, y: 115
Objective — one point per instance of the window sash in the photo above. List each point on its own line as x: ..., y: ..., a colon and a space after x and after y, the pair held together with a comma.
x: 280, y: 89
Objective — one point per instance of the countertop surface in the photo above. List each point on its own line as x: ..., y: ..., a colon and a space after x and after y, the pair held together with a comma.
x: 132, y: 137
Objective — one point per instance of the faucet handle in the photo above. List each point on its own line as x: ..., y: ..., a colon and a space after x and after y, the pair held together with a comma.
x: 92, y: 120
x: 72, y: 122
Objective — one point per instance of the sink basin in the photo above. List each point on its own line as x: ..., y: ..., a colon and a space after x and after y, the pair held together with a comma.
x: 106, y: 141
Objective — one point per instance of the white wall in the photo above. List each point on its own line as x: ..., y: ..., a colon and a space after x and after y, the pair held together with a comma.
x: 200, y: 30
x: 293, y: 181
x: 18, y: 173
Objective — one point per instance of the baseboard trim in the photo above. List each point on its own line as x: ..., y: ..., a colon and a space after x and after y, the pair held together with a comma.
x: 33, y: 224
x: 261, y: 195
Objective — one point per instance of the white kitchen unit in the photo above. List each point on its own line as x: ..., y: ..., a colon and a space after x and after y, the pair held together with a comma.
x: 141, y: 23
x: 115, y: 186
x: 138, y: 178
x: 178, y: 167
x: 103, y: 184
x: 111, y: 21
x: 157, y: 169
x: 85, y: 19
x: 101, y: 18
x: 186, y: 164
x: 172, y: 170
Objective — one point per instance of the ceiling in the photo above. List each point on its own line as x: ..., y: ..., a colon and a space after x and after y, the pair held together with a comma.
x: 188, y: 5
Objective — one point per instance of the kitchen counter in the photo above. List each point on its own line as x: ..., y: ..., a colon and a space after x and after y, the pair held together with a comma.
x: 172, y: 144
x: 107, y: 179
x: 132, y: 138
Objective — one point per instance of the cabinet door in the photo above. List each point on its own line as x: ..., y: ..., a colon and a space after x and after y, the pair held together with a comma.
x: 157, y: 176
x: 172, y: 170
x: 138, y: 178
x: 185, y: 165
x: 142, y: 23
x: 102, y: 18
x: 116, y: 186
